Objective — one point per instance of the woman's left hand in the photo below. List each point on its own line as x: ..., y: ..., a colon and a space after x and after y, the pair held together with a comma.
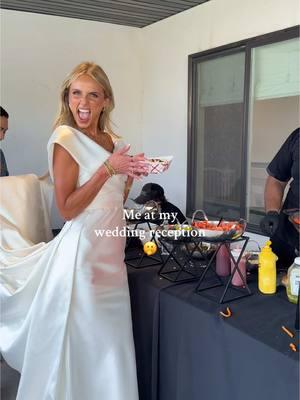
x: 135, y: 166
x: 141, y: 165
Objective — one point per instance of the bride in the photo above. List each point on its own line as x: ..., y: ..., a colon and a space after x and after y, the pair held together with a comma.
x: 66, y: 318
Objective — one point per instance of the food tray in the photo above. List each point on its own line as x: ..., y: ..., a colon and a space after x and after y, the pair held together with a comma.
x: 158, y: 165
x: 176, y: 232
x: 224, y: 231
x: 218, y: 230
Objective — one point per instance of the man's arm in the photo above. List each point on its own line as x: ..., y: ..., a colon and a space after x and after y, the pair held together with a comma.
x: 274, y: 191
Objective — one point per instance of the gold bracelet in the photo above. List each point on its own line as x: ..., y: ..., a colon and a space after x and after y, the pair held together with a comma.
x: 109, y: 168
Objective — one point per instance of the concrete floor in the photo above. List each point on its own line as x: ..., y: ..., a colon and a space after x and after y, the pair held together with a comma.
x: 9, y: 381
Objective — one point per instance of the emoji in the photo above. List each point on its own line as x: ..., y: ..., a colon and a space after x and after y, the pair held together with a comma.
x: 150, y: 248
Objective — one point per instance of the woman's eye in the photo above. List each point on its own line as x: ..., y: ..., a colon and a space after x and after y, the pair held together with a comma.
x: 76, y: 92
x: 94, y: 95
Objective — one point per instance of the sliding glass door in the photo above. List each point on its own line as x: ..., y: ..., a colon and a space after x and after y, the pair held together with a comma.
x: 219, y: 122
x: 243, y: 104
x: 274, y: 113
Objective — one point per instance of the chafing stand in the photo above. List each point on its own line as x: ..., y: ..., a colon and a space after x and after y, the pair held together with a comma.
x: 226, y: 281
x: 139, y: 259
x: 172, y: 268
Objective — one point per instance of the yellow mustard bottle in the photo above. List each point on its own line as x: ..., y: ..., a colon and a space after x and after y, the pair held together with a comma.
x: 267, y: 270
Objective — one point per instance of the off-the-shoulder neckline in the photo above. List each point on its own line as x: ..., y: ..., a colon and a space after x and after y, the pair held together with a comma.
x: 114, y: 139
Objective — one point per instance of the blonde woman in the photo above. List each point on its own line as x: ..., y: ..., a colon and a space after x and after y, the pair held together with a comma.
x: 66, y: 320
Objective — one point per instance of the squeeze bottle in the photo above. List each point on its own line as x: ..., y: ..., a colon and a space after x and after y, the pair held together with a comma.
x: 267, y: 270
x: 292, y: 287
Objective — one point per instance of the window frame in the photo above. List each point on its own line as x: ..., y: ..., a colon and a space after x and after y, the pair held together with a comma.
x: 245, y: 45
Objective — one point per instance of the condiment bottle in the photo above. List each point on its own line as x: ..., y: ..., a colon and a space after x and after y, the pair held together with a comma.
x: 267, y: 270
x: 293, y: 281
x: 236, y: 279
x: 223, y: 261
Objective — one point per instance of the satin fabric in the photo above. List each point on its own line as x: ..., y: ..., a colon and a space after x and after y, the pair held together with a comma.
x: 66, y: 318
x: 25, y: 203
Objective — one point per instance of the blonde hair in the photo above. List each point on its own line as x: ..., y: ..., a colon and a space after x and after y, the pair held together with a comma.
x: 93, y: 70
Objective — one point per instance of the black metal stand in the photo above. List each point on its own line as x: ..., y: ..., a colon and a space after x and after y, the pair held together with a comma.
x: 176, y: 270
x: 140, y: 259
x: 227, y: 282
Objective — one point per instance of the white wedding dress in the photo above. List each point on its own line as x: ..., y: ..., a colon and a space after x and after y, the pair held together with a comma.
x: 65, y: 307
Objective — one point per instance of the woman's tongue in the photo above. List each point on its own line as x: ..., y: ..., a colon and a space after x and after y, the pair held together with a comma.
x: 84, y: 115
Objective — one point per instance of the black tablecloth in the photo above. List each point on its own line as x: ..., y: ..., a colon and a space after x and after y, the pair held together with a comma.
x: 186, y: 351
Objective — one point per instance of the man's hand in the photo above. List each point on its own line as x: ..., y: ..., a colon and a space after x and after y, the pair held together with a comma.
x: 270, y: 223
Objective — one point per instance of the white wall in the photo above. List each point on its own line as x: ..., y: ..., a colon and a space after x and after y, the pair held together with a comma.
x: 167, y: 45
x: 37, y: 52
x: 147, y: 68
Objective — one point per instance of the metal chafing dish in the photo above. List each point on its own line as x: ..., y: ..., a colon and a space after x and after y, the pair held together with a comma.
x: 219, y: 230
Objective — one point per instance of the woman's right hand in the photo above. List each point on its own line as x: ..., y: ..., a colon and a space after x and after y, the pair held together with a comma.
x: 134, y: 166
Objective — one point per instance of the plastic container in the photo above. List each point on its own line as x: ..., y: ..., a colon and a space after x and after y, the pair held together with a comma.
x: 267, y: 270
x: 236, y: 279
x: 293, y: 281
x: 223, y: 261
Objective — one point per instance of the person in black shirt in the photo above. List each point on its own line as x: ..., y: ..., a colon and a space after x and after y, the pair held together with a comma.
x: 153, y: 191
x: 3, y: 129
x: 283, y: 169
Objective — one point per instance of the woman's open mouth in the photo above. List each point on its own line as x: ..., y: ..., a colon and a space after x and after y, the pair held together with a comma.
x: 83, y: 115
